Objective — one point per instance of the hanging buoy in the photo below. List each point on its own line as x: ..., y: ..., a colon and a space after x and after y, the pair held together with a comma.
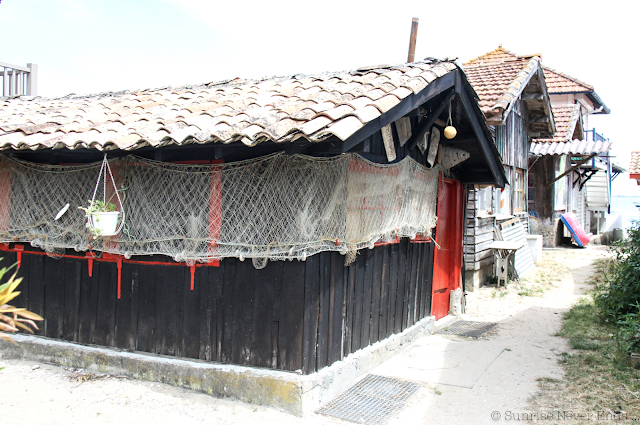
x: 450, y: 132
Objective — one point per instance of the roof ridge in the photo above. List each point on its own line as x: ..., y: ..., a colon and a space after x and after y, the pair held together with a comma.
x: 237, y: 81
x: 491, y: 56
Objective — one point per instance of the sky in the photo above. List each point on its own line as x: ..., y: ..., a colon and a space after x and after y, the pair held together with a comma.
x: 89, y: 46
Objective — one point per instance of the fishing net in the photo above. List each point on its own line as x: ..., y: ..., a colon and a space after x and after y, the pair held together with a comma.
x: 272, y: 208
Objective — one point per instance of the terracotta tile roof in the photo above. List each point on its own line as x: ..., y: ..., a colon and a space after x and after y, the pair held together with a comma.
x: 634, y: 167
x: 566, y: 118
x: 499, y: 77
x: 281, y: 109
x: 564, y: 141
x: 557, y: 82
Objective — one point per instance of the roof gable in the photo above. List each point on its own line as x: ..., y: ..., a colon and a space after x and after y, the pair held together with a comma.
x: 500, y: 77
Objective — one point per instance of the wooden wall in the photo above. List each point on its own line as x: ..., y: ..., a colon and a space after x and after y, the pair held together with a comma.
x: 289, y: 315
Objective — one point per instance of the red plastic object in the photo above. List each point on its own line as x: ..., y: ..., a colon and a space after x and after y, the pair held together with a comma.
x: 579, y: 235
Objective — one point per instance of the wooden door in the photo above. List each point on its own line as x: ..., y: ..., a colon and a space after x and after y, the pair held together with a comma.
x: 448, y: 258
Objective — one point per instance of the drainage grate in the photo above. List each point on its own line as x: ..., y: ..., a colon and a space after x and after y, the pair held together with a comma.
x: 374, y: 400
x: 467, y: 328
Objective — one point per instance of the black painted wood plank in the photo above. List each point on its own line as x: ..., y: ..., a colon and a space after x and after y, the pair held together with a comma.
x: 171, y: 290
x: 218, y: 302
x: 323, y: 323
x: 413, y: 284
x: 84, y: 312
x: 336, y: 280
x: 72, y: 280
x: 358, y: 308
x: 190, y: 333
x: 105, y: 320
x: 36, y: 286
x: 242, y: 299
x: 404, y: 265
x: 310, y: 330
x: 419, y: 273
x: 290, y: 326
x: 384, y: 293
x: 349, y: 303
x: 366, y: 302
x: 147, y: 308
x: 228, y: 266
x: 206, y: 314
x: 275, y: 314
x: 122, y: 331
x: 393, y: 287
x: 54, y: 297
x: 261, y: 326
x: 376, y: 294
x: 429, y: 287
x: 133, y: 333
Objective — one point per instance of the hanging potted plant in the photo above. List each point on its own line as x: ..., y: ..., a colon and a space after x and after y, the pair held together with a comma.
x: 103, y: 217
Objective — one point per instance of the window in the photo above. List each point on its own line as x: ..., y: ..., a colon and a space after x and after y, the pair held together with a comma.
x: 518, y: 191
x: 484, y: 200
x: 560, y: 186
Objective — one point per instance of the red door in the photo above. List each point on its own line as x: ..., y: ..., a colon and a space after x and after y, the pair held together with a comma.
x: 448, y: 259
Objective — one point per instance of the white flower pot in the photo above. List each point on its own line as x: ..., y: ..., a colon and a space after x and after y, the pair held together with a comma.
x: 105, y: 223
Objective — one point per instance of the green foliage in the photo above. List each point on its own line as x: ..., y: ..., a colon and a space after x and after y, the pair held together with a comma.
x: 99, y: 206
x: 618, y: 297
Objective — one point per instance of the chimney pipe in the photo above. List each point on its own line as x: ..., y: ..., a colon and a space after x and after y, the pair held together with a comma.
x: 412, y: 40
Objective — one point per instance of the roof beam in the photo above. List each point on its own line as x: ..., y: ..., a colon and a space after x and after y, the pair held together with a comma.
x: 410, y: 103
x: 470, y: 107
x: 570, y: 170
x: 425, y: 125
x: 532, y: 96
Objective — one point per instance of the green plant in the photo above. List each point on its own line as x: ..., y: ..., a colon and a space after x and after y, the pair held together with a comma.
x: 620, y: 293
x: 13, y: 318
x: 98, y: 206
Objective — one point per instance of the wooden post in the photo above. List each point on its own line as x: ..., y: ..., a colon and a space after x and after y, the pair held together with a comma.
x: 412, y: 40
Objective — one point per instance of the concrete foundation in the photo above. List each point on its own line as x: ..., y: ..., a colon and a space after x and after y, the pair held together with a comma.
x: 474, y: 279
x: 291, y: 392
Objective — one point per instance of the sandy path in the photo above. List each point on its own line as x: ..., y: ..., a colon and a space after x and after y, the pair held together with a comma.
x: 37, y: 393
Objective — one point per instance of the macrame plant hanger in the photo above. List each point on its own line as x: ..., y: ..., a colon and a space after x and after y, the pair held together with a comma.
x: 106, y: 169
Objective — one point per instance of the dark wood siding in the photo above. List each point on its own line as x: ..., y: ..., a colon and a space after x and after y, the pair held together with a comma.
x: 289, y: 315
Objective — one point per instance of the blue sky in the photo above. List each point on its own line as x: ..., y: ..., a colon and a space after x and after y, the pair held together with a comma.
x: 90, y: 46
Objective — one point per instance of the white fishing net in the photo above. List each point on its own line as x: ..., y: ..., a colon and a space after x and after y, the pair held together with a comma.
x: 271, y: 208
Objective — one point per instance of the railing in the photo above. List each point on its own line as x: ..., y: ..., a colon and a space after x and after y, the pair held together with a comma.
x: 19, y: 80
x: 593, y: 136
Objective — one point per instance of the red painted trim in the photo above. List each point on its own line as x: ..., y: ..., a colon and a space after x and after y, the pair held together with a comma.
x: 383, y: 243
x: 112, y: 258
x: 91, y: 256
x: 119, y: 263
x: 421, y: 239
x: 192, y: 269
x: 19, y: 249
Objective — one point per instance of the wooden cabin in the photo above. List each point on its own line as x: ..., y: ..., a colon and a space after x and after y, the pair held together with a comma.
x: 514, y: 98
x: 188, y: 294
x: 571, y: 172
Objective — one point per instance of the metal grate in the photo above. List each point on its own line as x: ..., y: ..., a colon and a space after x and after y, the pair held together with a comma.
x: 467, y: 328
x: 374, y: 400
